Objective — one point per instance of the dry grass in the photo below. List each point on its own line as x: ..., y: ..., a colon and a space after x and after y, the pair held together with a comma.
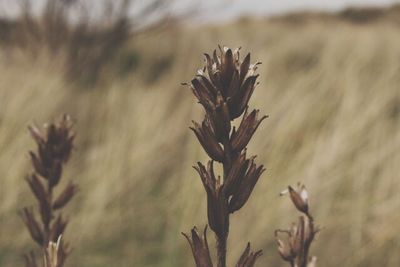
x: 332, y: 93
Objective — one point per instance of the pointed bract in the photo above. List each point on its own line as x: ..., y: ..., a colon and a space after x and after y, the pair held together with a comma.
x: 65, y: 196
x: 248, y: 257
x: 199, y: 247
x: 240, y: 197
x: 247, y: 127
x: 32, y: 225
x: 208, y: 140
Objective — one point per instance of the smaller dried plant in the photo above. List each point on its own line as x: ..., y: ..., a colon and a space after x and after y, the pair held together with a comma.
x: 298, y: 238
x: 53, y: 151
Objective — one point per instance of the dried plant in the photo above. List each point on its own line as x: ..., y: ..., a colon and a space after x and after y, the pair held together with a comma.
x: 224, y: 87
x: 300, y: 236
x: 53, y: 151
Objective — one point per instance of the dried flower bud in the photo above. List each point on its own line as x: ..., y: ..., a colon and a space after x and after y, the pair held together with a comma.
x: 216, y: 209
x: 299, y: 198
x: 199, y: 247
x: 60, y: 139
x: 239, y: 102
x: 208, y: 140
x: 219, y: 119
x: 54, y: 149
x: 236, y: 174
x: 248, y: 259
x: 203, y: 93
x: 247, y: 127
x: 242, y: 194
x: 37, y: 164
x: 233, y: 79
x: 32, y: 225
x: 65, y: 196
x: 37, y: 187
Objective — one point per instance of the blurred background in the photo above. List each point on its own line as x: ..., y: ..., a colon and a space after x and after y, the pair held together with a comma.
x: 329, y: 82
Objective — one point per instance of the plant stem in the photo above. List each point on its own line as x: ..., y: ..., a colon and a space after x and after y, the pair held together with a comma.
x: 222, y: 240
x: 221, y: 250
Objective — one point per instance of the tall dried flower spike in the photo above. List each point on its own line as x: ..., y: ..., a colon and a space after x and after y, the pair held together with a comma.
x: 54, y: 148
x: 224, y: 87
x: 295, y: 248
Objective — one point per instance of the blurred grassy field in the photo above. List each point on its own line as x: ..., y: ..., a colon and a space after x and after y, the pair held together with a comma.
x: 331, y: 89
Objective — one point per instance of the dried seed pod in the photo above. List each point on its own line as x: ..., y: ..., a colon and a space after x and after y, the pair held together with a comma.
x: 216, y: 208
x: 248, y: 258
x: 219, y: 119
x: 33, y: 226
x: 242, y: 194
x: 299, y: 198
x: 69, y: 191
x: 234, y: 79
x: 199, y: 245
x: 240, y: 100
x: 37, y: 187
x: 236, y: 174
x: 247, y: 127
x: 208, y: 140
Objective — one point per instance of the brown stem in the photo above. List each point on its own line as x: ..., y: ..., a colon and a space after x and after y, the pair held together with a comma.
x: 221, y: 250
x: 227, y: 164
x: 302, y: 260
x: 47, y: 226
x: 222, y: 240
